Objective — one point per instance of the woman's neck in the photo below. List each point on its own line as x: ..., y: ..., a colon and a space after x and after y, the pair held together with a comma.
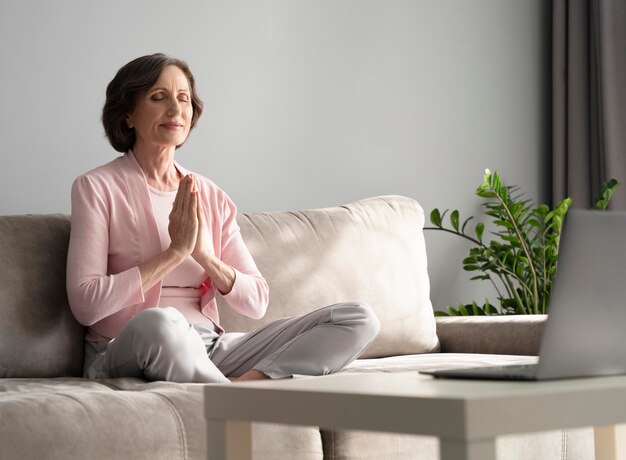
x: 158, y: 167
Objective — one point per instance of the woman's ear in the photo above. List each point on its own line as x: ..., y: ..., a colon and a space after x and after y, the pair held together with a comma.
x: 129, y: 123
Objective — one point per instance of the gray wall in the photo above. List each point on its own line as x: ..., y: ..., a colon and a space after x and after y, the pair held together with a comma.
x: 307, y: 103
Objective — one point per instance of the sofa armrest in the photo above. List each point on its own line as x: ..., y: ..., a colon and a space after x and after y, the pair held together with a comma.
x: 500, y: 335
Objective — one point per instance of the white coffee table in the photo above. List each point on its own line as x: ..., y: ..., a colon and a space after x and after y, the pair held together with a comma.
x: 467, y: 416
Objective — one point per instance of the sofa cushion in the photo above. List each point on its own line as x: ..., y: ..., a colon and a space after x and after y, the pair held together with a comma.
x: 39, y: 336
x: 371, y: 250
x: 419, y: 362
x: 506, y: 335
x: 126, y: 418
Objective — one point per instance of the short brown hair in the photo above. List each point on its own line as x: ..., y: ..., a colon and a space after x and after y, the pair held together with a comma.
x: 131, y: 80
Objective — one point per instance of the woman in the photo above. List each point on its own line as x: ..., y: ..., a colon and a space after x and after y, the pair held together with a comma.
x: 152, y: 244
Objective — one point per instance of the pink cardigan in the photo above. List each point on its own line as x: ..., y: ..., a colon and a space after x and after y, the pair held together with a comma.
x: 114, y: 230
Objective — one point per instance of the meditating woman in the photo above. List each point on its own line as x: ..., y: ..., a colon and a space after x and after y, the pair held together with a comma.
x: 152, y: 245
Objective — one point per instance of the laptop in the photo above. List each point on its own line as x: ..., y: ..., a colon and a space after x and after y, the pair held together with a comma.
x: 585, y: 333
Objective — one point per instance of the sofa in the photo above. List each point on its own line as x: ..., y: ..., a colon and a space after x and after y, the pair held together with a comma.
x: 371, y: 250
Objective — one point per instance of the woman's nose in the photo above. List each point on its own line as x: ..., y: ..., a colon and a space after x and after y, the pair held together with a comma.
x: 173, y: 107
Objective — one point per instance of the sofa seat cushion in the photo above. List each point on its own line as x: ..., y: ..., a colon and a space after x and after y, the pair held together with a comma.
x: 66, y: 418
x: 434, y: 361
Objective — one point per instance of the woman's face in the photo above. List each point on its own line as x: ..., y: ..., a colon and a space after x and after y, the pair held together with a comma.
x: 162, y: 115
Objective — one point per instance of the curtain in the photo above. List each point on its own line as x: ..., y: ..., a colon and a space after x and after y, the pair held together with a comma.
x: 589, y: 99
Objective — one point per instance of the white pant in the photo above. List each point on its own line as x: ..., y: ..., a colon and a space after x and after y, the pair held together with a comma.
x: 159, y: 344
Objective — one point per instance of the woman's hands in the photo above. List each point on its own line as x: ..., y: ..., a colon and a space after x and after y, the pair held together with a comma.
x: 184, y: 225
x: 189, y: 234
x: 203, y: 242
x: 183, y: 231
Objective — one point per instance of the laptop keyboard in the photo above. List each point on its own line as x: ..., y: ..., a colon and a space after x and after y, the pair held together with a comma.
x: 506, y: 372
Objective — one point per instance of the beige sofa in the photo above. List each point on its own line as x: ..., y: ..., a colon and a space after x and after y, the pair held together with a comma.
x: 372, y: 250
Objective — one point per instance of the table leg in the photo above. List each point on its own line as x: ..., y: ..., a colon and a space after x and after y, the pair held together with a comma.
x: 228, y: 440
x: 484, y: 449
x: 610, y: 442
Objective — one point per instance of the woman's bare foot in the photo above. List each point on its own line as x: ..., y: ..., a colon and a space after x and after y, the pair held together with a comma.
x: 250, y: 375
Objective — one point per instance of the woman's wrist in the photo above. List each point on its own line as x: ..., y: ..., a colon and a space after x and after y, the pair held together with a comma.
x: 203, y: 258
x: 175, y: 254
x: 222, y: 275
x: 152, y: 271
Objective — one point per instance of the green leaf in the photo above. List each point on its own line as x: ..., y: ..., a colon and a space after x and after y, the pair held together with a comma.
x: 606, y: 193
x: 471, y: 268
x: 542, y: 210
x: 435, y: 217
x: 454, y: 220
x: 486, y: 189
x: 504, y: 223
x: 511, y: 239
x: 489, y: 308
x: 480, y: 228
x: 485, y: 193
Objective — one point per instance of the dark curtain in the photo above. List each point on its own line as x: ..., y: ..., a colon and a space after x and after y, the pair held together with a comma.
x: 589, y: 99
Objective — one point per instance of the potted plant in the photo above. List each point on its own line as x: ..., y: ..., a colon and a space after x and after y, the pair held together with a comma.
x: 522, y: 257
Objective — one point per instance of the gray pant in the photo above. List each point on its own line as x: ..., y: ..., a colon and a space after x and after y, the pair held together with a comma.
x: 159, y: 344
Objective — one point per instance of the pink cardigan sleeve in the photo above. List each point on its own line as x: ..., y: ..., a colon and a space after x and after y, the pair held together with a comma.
x: 250, y: 293
x: 93, y: 292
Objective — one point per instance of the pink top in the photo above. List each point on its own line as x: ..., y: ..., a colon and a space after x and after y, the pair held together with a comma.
x: 114, y: 230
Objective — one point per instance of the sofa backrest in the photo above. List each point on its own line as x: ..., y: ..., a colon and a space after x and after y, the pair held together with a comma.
x: 39, y: 336
x: 371, y: 250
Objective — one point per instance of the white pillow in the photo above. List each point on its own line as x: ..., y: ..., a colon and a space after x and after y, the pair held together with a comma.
x: 372, y: 250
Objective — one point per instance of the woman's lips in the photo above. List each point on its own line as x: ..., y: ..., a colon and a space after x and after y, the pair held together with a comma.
x: 172, y: 125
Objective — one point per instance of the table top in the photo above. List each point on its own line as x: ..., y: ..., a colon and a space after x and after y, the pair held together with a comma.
x: 409, y: 402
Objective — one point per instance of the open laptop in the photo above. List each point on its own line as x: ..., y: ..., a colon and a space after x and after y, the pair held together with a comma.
x: 585, y: 333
